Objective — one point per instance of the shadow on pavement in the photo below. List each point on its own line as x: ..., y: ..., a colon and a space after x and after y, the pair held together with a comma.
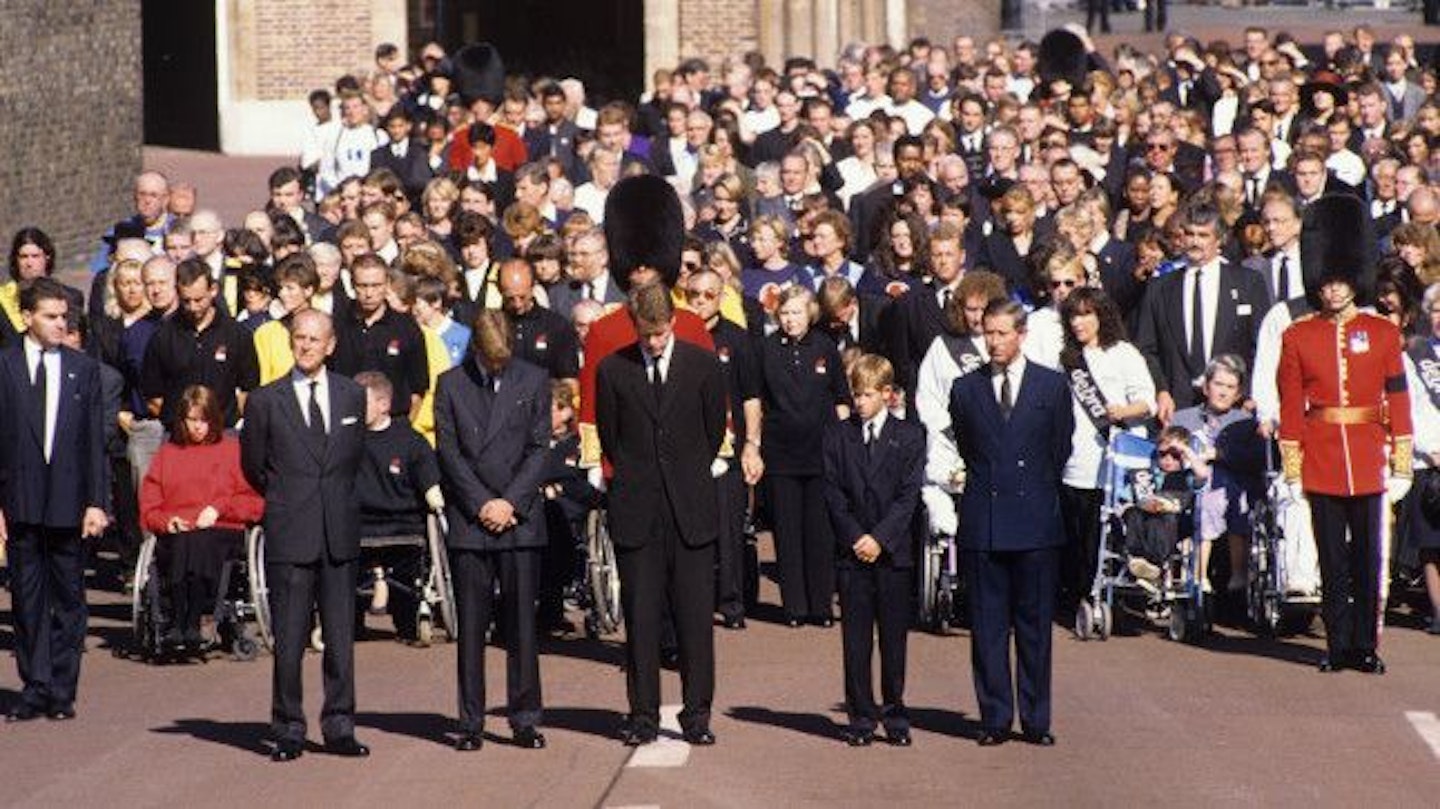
x: 1269, y: 648
x: 945, y: 723
x: 247, y: 736
x: 593, y: 721
x: 427, y: 727
x: 812, y: 724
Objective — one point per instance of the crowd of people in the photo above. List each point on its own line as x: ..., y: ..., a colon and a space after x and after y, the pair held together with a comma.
x: 847, y: 245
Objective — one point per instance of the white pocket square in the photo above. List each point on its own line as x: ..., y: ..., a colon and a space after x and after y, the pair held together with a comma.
x: 349, y: 420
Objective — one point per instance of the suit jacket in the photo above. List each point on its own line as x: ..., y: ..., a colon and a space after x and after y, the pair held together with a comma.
x: 867, y: 209
x: 1160, y: 335
x: 493, y: 445
x: 917, y: 322
x: 874, y: 493
x: 413, y: 170
x: 564, y: 296
x: 77, y: 477
x: 311, y: 511
x: 1116, y: 262
x: 539, y: 143
x: 661, y: 451
x: 1013, y: 467
x: 998, y: 254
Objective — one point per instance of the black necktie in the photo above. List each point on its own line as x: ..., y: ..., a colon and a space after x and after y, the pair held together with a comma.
x: 1197, y: 323
x: 1252, y: 190
x: 317, y: 419
x: 1282, y: 284
x: 870, y: 440
x: 39, y: 385
x: 589, y: 290
x: 1007, y: 397
x: 657, y: 382
x: 945, y: 299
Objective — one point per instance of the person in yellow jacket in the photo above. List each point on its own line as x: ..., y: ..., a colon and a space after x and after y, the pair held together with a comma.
x: 295, y: 280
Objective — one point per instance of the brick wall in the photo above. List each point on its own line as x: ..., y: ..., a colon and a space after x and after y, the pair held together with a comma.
x: 305, y: 44
x: 70, y: 97
x: 717, y: 29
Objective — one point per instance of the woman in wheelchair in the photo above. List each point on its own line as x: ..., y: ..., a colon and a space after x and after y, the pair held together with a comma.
x: 196, y: 501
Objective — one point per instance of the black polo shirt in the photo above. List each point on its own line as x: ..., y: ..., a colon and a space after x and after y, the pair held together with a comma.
x: 392, y: 345
x: 546, y: 339
x: 222, y: 358
x: 398, y: 468
x: 801, y: 383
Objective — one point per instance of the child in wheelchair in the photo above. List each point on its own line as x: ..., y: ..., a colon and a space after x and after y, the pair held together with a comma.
x: 569, y: 499
x: 398, y: 485
x: 1160, y: 515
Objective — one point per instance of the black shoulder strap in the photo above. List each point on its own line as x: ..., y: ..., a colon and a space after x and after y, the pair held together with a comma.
x: 962, y: 350
x: 1427, y: 367
x: 1085, y: 391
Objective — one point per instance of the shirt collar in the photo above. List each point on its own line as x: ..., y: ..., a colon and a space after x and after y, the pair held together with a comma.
x: 878, y: 420
x: 298, y: 377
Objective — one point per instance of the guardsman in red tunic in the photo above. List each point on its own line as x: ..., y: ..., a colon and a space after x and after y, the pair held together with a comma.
x: 1343, y: 408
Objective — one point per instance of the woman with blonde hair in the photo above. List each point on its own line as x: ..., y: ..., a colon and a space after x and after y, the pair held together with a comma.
x: 438, y: 205
x: 1419, y: 247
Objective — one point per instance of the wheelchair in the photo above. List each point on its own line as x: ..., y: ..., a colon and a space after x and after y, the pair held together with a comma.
x: 241, y: 619
x: 1283, y: 596
x: 601, y: 592
x: 431, y: 587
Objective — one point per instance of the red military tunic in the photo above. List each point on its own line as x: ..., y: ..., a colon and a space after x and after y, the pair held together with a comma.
x: 607, y: 335
x: 1342, y: 395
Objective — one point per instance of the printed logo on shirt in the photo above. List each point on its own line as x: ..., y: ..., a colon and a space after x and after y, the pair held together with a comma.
x: 820, y: 365
x: 394, y: 466
x: 1360, y: 342
x: 724, y: 353
x: 393, y: 349
x: 220, y: 353
x: 541, y: 343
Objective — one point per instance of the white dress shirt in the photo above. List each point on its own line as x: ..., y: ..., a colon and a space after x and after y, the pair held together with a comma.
x: 662, y: 362
x: 1209, y: 276
x: 301, y: 384
x: 1291, y: 256
x: 1015, y: 371
x: 33, y: 356
x: 871, y: 428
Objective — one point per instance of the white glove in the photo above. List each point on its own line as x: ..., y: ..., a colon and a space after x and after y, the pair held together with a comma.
x: 719, y: 467
x: 596, y: 478
x: 1396, y: 488
x: 434, y: 498
x: 1294, y: 490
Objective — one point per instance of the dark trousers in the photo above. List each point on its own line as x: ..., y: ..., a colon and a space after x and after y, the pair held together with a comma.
x: 295, y: 592
x: 1097, y: 10
x: 665, y: 567
x: 730, y: 550
x: 1011, y: 591
x: 518, y: 572
x: 875, y: 597
x: 557, y: 568
x: 1156, y: 15
x: 804, y: 545
x: 47, y: 585
x: 1080, y: 509
x: 191, y: 562
x: 125, y: 529
x: 1349, y: 570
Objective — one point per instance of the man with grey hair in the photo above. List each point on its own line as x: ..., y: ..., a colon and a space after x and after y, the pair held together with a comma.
x: 588, y: 269
x: 330, y: 292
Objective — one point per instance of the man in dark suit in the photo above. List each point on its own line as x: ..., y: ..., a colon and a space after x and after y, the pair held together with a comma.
x: 1232, y: 302
x: 53, y: 493
x: 404, y: 155
x: 920, y: 313
x: 492, y: 426
x: 660, y: 415
x: 589, y: 274
x: 301, y: 449
x: 1013, y: 428
x: 851, y: 319
x: 558, y: 136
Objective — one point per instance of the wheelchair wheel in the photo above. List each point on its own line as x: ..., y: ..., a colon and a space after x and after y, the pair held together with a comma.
x: 929, y: 587
x: 604, y: 575
x: 142, y: 598
x: 259, y: 591
x: 1179, y: 627
x: 1085, y: 620
x: 440, y: 589
x: 244, y: 647
x: 1104, y: 621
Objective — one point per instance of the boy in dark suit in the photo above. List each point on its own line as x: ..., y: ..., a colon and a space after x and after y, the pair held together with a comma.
x: 874, y: 464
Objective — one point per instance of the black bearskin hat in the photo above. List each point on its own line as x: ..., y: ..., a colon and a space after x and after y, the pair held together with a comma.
x: 644, y: 227
x: 1337, y: 242
x: 1062, y: 56
x: 479, y: 73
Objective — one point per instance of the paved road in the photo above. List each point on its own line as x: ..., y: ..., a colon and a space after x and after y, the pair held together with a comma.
x: 1140, y: 720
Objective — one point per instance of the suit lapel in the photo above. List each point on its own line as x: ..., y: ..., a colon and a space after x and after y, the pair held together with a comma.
x: 878, y: 455
x: 34, y: 409
x: 1176, y: 325
x: 1225, y: 306
x: 495, y: 418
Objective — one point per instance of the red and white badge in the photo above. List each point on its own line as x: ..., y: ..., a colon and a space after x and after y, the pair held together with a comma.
x: 819, y: 365
x: 540, y: 342
x: 393, y: 349
x: 394, y: 466
x: 220, y: 353
x: 724, y: 353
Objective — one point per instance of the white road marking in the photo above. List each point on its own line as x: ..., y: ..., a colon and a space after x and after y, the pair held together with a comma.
x: 667, y: 751
x: 1428, y: 727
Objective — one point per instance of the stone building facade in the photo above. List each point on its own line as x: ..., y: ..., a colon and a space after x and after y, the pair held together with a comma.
x: 70, y: 97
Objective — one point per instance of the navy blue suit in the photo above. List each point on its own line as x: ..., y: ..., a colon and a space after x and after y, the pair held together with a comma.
x: 874, y: 491
x: 494, y: 444
x: 1011, y: 534
x: 44, y: 503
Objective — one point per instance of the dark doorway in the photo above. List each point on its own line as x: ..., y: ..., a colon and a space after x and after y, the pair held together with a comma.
x: 600, y: 42
x: 181, y: 102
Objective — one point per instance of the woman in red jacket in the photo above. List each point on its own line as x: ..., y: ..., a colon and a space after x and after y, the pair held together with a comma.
x: 195, y: 499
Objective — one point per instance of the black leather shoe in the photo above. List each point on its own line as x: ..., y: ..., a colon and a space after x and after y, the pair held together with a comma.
x: 529, y: 738
x: 1042, y: 738
x: 1370, y: 664
x: 636, y: 736
x: 469, y: 742
x: 823, y: 621
x: 62, y: 713
x: 794, y: 623
x: 1329, y: 665
x: 733, y: 622
x: 347, y: 746
x: 23, y: 712
x: 992, y: 738
x: 859, y: 738
x: 898, y: 738
x: 700, y: 737
x: 287, y: 750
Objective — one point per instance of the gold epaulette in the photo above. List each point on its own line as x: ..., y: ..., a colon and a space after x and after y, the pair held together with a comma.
x: 589, y: 446
x: 1292, y: 459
